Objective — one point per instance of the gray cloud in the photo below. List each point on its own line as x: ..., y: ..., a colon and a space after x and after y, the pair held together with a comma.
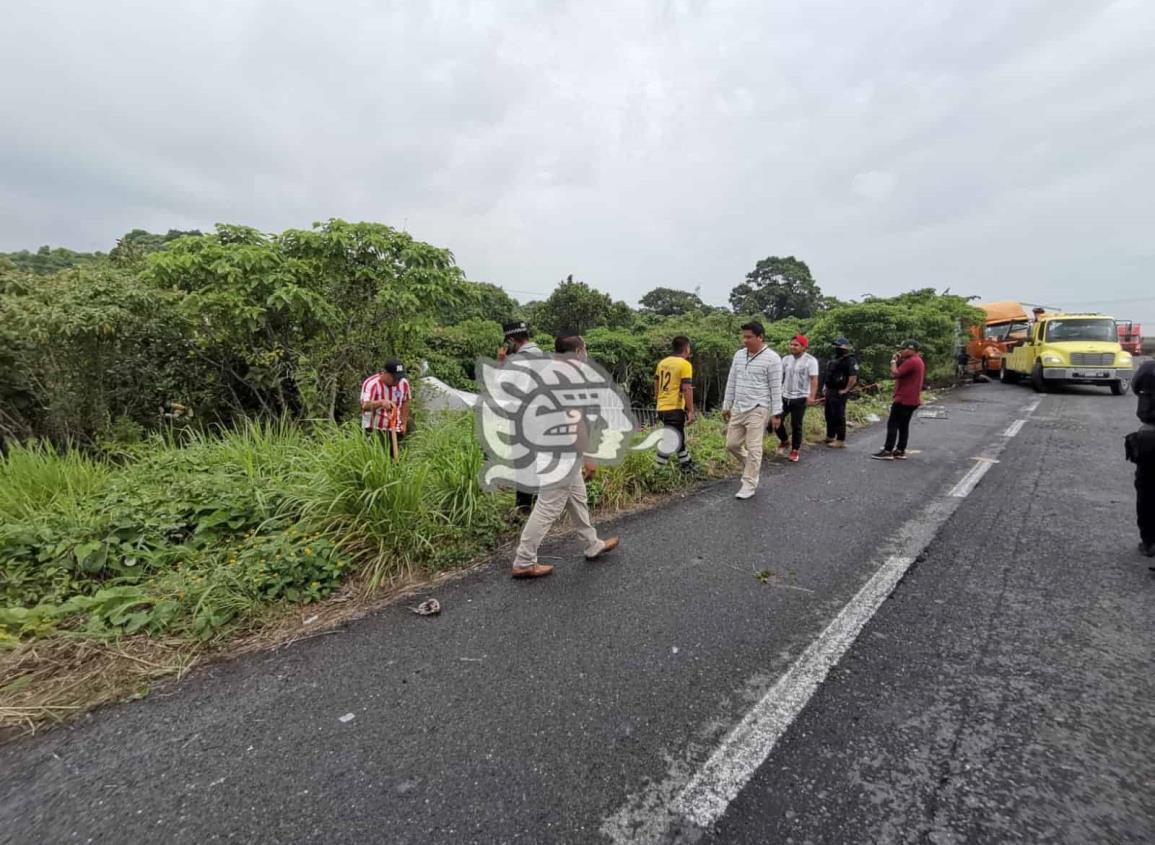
x: 1000, y: 149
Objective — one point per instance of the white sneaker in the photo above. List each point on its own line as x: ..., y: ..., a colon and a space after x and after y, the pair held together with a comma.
x: 745, y: 492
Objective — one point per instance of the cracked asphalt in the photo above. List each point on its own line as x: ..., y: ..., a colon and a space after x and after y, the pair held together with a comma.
x: 1003, y: 693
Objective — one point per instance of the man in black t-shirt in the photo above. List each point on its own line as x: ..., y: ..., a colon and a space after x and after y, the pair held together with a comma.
x: 840, y: 378
x: 1143, y: 386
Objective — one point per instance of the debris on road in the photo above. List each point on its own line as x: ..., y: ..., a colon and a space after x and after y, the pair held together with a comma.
x: 348, y: 717
x: 429, y: 607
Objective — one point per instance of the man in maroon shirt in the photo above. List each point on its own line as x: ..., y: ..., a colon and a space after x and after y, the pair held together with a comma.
x: 908, y: 369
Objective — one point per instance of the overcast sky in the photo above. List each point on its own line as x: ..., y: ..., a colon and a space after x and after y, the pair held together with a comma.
x: 1001, y: 148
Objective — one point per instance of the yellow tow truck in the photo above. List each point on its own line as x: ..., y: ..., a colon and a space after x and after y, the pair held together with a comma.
x: 1069, y: 349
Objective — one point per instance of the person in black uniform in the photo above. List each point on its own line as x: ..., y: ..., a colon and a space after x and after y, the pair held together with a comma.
x: 517, y: 342
x: 840, y: 378
x: 1143, y: 386
x: 1141, y: 450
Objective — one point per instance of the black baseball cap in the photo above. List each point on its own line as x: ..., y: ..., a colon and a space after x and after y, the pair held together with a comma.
x: 515, y: 327
x: 840, y: 341
x: 395, y: 368
x: 910, y: 344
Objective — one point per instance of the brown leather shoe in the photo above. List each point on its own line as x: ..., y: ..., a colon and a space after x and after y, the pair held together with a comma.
x: 608, y: 546
x: 535, y: 571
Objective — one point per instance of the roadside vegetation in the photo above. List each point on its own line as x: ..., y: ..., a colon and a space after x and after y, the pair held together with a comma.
x: 183, y: 471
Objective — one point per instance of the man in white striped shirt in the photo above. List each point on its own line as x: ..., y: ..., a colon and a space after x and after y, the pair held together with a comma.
x: 753, y: 393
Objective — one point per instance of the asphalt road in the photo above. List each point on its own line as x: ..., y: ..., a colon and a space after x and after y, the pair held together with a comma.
x: 1002, y: 693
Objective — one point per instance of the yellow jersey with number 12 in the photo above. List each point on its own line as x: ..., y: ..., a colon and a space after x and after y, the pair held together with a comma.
x: 672, y: 373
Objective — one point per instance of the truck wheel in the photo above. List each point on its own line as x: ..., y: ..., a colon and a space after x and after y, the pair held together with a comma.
x: 1007, y: 376
x: 1121, y: 386
x: 1037, y: 380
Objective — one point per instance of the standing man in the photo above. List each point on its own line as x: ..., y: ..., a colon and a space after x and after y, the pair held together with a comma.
x: 1141, y: 450
x: 568, y: 495
x: 376, y: 406
x: 1140, y: 447
x: 841, y: 376
x: 399, y: 394
x: 908, y: 371
x: 1143, y: 386
x: 799, y: 391
x: 753, y: 391
x: 674, y: 389
x: 517, y: 342
x: 385, y: 397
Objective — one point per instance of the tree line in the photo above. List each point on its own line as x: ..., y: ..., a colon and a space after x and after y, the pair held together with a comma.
x: 238, y: 323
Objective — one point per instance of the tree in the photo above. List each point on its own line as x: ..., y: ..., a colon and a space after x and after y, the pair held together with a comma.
x: 47, y: 260
x: 574, y: 308
x: 481, y: 301
x: 293, y: 322
x: 134, y: 246
x: 778, y: 288
x: 668, y: 302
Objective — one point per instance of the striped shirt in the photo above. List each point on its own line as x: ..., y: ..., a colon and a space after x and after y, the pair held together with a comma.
x: 374, y: 389
x: 754, y: 380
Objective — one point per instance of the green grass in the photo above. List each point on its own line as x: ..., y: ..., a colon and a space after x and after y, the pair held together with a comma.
x: 198, y: 537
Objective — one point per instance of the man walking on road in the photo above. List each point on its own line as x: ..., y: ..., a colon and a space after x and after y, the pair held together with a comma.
x: 908, y: 371
x: 799, y: 391
x: 841, y: 376
x: 1141, y: 452
x: 517, y: 342
x: 1143, y: 385
x: 674, y: 389
x: 753, y: 390
x: 568, y: 495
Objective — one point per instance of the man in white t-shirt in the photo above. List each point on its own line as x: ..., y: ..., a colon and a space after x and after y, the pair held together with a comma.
x: 799, y: 391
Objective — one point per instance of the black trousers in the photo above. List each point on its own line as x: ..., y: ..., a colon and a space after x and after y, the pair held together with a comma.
x: 675, y: 420
x: 898, y: 426
x: 835, y: 415
x: 796, y: 410
x: 1145, y: 503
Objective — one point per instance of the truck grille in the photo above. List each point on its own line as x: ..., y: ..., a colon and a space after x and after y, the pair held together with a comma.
x: 1092, y: 359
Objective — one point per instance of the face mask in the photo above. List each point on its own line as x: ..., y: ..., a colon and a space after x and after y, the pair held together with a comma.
x: 840, y: 352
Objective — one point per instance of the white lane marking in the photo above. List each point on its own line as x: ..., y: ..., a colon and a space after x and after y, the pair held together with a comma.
x: 650, y: 815
x: 969, y: 481
x: 1014, y: 428
x: 1031, y: 407
x: 748, y: 745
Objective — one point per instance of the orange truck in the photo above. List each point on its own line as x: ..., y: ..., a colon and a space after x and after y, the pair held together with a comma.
x: 1007, y: 325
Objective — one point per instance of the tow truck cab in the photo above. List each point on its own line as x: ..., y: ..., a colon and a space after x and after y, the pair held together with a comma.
x: 1070, y: 349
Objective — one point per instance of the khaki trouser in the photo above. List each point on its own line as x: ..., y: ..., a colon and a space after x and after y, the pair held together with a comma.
x: 744, y: 441
x: 569, y: 494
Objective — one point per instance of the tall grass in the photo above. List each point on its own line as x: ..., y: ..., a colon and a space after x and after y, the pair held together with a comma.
x: 33, y: 477
x: 201, y: 531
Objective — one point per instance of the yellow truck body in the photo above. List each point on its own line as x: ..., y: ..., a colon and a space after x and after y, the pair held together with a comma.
x: 1070, y: 349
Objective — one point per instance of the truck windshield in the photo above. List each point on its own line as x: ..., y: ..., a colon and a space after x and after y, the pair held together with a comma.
x: 1103, y: 329
x: 1005, y: 331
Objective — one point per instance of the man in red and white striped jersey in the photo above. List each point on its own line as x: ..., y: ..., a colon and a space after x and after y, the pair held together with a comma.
x: 385, y: 398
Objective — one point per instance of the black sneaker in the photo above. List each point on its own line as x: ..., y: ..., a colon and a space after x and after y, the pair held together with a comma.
x: 899, y: 455
x: 883, y: 455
